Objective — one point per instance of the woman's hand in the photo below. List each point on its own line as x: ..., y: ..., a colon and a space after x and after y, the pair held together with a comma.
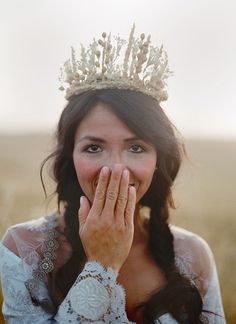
x: 107, y: 228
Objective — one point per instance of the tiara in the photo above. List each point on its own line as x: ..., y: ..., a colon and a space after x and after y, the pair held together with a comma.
x: 144, y: 68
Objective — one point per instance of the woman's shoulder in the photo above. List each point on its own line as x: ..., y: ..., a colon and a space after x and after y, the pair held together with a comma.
x: 35, y: 245
x: 193, y: 255
x: 185, y: 240
x: 28, y: 235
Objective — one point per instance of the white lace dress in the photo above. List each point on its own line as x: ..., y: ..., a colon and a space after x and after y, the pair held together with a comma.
x: 95, y: 297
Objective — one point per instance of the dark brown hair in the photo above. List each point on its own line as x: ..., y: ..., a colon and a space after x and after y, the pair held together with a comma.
x: 145, y: 118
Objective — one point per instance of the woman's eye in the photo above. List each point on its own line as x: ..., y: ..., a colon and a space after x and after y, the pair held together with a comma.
x: 93, y: 148
x: 136, y: 148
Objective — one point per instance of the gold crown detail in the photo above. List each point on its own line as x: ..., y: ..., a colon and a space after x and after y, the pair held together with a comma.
x: 144, y: 67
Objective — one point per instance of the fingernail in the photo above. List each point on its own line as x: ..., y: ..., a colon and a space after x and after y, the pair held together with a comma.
x: 105, y: 170
x: 126, y: 173
x: 132, y: 189
x: 81, y: 200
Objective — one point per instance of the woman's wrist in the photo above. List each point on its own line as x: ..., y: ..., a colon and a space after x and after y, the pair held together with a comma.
x: 105, y: 265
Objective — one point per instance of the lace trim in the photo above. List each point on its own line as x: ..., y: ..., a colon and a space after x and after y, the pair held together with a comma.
x: 96, y: 297
x: 49, y: 248
x: 36, y: 285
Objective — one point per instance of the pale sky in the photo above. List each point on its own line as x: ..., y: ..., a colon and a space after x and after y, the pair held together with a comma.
x: 199, y: 36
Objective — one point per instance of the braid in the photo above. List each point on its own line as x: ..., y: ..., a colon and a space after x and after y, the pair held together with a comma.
x: 187, y: 307
x: 69, y: 191
x: 161, y: 237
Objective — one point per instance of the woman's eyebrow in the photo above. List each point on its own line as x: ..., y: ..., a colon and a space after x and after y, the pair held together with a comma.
x: 91, y: 138
x: 134, y: 138
x: 100, y: 140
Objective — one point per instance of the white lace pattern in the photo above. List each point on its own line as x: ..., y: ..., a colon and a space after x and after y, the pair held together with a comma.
x: 95, y: 297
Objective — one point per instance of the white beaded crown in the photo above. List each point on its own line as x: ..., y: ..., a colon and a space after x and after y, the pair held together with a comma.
x: 144, y: 68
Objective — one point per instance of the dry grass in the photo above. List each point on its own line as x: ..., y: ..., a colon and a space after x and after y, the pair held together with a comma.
x: 204, y: 191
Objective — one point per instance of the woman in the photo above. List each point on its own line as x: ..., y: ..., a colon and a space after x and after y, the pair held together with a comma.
x: 108, y: 255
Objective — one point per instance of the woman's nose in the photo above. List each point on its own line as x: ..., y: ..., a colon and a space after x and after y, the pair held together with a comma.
x: 114, y: 160
x: 117, y: 165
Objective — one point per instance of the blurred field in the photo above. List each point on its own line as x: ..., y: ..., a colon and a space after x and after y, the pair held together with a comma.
x: 205, y: 195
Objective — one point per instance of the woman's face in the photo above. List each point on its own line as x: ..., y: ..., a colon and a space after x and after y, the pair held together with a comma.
x: 102, y: 139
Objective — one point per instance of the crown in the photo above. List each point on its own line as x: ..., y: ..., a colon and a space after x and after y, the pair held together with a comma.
x: 144, y: 68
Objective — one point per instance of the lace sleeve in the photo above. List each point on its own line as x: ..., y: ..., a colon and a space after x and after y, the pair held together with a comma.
x: 17, y: 303
x: 95, y: 297
x: 212, y: 298
x: 195, y: 260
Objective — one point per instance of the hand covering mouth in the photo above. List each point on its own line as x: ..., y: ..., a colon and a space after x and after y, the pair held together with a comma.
x: 130, y: 184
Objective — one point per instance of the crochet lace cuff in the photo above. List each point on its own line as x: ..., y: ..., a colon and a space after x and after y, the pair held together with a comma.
x: 95, y: 297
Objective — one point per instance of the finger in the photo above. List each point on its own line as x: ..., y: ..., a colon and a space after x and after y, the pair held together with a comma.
x: 100, y: 193
x: 122, y: 196
x: 130, y: 207
x: 83, y: 210
x: 113, y: 189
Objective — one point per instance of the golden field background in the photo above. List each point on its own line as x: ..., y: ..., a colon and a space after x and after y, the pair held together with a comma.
x: 205, y: 195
